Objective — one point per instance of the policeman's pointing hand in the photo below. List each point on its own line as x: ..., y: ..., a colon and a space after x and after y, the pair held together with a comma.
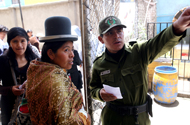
x: 107, y: 96
x: 182, y: 23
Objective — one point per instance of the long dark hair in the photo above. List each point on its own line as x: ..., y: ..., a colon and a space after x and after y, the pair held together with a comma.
x: 17, y: 31
x: 54, y: 46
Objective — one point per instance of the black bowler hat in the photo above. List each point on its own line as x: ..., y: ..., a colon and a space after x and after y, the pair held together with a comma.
x: 58, y: 28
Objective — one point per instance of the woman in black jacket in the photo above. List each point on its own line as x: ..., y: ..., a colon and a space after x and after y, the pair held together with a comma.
x: 74, y: 73
x: 18, y: 57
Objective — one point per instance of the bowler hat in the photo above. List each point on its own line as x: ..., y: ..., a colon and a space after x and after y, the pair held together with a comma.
x: 108, y: 23
x: 58, y: 28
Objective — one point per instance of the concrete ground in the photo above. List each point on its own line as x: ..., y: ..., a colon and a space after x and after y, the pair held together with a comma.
x: 171, y: 114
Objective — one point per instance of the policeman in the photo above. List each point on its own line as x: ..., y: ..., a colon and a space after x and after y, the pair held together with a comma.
x: 126, y: 67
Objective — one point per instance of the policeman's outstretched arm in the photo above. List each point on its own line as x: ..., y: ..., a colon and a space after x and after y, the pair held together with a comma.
x: 107, y: 96
x: 182, y: 23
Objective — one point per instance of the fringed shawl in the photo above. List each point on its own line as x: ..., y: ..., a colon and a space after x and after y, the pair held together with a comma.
x: 52, y: 98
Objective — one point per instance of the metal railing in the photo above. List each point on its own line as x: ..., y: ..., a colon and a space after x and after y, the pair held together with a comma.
x: 180, y: 54
x: 92, y: 12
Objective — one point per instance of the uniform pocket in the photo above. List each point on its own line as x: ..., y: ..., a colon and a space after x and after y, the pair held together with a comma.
x: 108, y: 78
x: 135, y: 73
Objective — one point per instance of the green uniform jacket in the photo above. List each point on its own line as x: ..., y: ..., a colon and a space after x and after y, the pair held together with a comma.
x: 130, y: 74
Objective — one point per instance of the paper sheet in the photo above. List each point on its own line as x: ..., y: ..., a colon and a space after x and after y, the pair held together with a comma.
x: 113, y: 90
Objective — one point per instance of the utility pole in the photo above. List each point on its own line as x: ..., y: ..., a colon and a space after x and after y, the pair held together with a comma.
x: 21, y: 14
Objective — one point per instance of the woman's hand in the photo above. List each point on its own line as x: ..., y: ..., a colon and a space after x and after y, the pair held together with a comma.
x: 16, y: 91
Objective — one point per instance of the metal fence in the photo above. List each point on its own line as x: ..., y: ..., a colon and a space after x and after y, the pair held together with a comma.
x: 92, y: 12
x: 180, y: 54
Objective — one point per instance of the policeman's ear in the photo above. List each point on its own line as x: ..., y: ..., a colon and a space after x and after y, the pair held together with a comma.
x: 101, y: 39
x: 51, y: 54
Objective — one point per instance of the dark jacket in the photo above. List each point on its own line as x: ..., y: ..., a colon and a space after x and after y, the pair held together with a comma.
x: 7, y: 97
x: 75, y: 74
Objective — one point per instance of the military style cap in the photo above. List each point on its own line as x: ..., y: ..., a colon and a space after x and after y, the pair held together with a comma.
x: 108, y: 23
x: 3, y: 28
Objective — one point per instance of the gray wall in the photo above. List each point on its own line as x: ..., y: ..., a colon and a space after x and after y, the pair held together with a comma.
x: 35, y: 15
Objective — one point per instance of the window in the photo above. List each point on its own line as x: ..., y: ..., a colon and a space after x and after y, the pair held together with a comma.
x: 2, y: 2
x: 15, y: 1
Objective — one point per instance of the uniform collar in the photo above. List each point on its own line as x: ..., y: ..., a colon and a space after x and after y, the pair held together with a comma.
x: 106, y: 56
x: 127, y: 48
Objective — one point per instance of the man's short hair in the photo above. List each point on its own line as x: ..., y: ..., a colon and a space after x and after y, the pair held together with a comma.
x: 29, y: 30
x: 3, y: 28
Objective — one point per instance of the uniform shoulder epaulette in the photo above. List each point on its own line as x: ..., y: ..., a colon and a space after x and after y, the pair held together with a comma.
x: 128, y: 46
x: 99, y: 56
